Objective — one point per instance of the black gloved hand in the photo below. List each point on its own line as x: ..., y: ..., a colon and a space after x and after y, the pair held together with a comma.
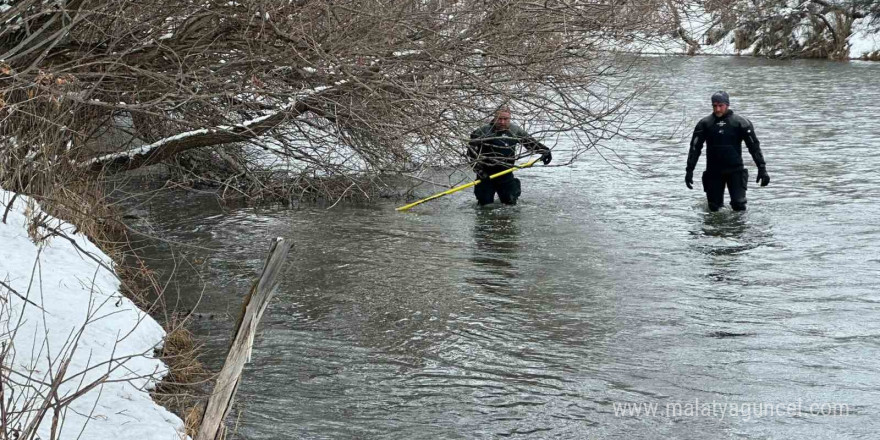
x: 546, y: 157
x: 482, y: 175
x: 763, y: 177
x: 689, y: 179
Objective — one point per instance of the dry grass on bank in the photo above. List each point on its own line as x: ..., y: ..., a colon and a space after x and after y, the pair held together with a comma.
x: 184, y: 388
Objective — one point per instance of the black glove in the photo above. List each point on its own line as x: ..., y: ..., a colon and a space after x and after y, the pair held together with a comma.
x: 689, y: 179
x: 546, y: 157
x: 482, y: 175
x: 763, y: 177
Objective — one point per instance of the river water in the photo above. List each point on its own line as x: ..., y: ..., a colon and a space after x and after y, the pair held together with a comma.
x: 605, y: 287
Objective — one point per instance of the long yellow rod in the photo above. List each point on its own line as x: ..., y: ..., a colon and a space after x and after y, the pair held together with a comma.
x: 468, y: 185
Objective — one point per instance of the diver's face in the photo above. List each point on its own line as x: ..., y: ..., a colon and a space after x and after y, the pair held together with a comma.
x: 502, y: 120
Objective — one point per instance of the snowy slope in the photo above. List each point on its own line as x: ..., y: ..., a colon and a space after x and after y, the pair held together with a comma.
x: 696, y: 22
x: 68, y: 295
x: 863, y: 41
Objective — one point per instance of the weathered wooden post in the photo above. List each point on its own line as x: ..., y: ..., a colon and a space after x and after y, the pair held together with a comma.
x: 257, y: 299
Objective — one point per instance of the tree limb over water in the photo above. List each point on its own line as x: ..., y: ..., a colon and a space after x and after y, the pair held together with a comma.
x: 341, y: 88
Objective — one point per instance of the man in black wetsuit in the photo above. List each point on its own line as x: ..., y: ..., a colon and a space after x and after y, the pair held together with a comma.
x: 493, y: 149
x: 723, y: 132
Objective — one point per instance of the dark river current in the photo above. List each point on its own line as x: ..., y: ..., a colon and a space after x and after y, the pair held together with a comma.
x: 608, y: 304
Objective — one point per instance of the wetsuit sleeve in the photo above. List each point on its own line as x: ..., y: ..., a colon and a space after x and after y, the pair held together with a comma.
x: 696, y: 147
x: 474, y: 145
x: 533, y: 145
x: 475, y: 148
x: 752, y: 142
x: 528, y: 141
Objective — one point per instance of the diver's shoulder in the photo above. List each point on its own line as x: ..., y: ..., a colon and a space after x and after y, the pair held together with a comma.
x: 707, y: 120
x: 740, y: 119
x: 482, y: 130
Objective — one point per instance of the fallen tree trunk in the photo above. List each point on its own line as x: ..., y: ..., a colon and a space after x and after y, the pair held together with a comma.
x: 169, y: 147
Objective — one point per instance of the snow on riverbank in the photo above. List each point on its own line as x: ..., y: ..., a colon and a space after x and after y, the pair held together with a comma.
x: 863, y: 41
x: 696, y: 22
x: 59, y: 301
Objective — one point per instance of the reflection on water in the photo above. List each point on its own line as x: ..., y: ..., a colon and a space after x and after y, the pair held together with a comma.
x: 496, y: 245
x: 599, y: 288
x: 731, y: 232
x: 726, y: 237
x: 725, y: 224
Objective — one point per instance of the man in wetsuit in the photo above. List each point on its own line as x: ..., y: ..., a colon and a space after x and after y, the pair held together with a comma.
x: 723, y: 132
x: 493, y: 149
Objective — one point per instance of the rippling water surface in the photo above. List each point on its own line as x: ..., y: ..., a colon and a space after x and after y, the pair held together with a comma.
x: 602, y: 288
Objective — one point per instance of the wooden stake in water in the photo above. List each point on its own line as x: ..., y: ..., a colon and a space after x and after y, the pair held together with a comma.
x: 255, y: 304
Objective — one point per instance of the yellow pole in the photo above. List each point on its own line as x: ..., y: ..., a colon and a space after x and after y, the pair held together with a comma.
x: 468, y: 185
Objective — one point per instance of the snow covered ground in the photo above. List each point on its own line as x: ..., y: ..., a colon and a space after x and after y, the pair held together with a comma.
x: 59, y: 302
x: 862, y: 41
x: 696, y: 22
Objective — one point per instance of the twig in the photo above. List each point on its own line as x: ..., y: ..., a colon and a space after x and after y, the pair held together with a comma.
x: 9, y: 207
x: 14, y: 292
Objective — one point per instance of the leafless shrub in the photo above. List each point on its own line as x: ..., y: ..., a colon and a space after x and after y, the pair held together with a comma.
x: 345, y: 89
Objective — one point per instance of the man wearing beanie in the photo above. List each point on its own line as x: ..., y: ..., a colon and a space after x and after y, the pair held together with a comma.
x: 723, y: 132
x: 493, y: 149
